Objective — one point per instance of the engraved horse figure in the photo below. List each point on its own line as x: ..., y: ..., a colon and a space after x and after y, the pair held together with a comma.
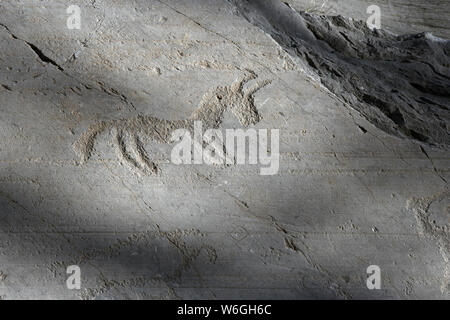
x: 132, y: 133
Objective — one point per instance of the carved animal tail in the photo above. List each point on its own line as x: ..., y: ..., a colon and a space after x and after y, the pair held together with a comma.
x: 85, y: 144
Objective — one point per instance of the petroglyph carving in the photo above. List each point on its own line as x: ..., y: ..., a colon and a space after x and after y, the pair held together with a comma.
x: 131, y: 134
x: 432, y: 215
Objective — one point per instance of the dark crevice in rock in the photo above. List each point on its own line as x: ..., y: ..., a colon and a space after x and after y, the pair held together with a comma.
x: 432, y: 163
x: 47, y: 60
x: 42, y: 56
x: 399, y: 83
x: 35, y: 49
x: 4, y: 86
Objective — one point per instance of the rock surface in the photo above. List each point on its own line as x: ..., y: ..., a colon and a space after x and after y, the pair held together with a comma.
x: 397, y: 16
x: 400, y: 83
x: 348, y: 194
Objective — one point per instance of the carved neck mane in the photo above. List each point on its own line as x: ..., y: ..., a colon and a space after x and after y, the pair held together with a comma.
x: 211, y: 109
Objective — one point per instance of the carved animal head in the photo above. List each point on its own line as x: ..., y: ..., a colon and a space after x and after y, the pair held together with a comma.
x: 235, y: 98
x: 241, y: 101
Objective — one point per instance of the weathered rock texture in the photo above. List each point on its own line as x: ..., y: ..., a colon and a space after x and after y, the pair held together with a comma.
x: 400, y: 83
x: 398, y: 16
x: 348, y: 194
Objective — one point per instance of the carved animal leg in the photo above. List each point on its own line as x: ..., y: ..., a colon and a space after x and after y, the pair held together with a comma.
x: 122, y: 151
x: 145, y: 164
x: 85, y: 144
x: 222, y: 157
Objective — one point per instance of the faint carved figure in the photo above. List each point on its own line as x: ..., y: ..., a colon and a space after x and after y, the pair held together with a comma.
x: 433, y: 222
x: 131, y: 134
